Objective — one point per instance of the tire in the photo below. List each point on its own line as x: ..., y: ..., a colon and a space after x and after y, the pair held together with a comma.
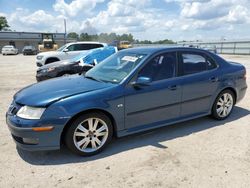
x: 83, y: 139
x: 223, y: 105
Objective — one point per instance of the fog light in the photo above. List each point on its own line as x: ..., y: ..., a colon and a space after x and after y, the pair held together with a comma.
x: 30, y: 141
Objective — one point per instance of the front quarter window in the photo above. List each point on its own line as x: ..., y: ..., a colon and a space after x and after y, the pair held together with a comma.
x: 115, y: 68
x: 61, y: 48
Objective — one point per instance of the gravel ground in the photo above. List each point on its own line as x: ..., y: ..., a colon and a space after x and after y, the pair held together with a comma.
x: 198, y: 153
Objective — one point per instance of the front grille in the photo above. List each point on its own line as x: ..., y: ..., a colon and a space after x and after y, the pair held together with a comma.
x: 14, y: 108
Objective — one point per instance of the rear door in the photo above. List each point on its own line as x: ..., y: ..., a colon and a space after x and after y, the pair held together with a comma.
x: 199, y: 75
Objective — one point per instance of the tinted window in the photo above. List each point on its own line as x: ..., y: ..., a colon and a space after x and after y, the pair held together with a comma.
x: 194, y: 63
x: 80, y: 47
x: 160, y: 67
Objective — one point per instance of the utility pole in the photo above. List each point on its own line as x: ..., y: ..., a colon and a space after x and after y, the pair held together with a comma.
x: 65, y: 30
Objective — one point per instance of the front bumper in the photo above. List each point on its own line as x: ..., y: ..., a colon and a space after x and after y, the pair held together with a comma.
x: 28, y: 139
x: 9, y: 52
x: 40, y: 76
x: 29, y: 52
x: 39, y: 64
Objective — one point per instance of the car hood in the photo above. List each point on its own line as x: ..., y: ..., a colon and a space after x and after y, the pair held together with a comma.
x: 57, y: 64
x: 47, y: 92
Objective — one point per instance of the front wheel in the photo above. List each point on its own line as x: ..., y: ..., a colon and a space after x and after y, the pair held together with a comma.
x: 89, y: 134
x: 223, y: 105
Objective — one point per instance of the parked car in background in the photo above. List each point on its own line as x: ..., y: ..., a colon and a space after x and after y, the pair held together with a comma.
x: 124, y: 45
x: 68, y: 51
x: 121, y: 44
x: 79, y: 64
x: 29, y: 50
x: 134, y: 90
x: 9, y: 49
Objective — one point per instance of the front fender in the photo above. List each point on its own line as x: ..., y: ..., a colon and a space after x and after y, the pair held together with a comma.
x: 69, y: 107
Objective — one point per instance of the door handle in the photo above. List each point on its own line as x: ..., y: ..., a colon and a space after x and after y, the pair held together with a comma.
x: 214, y: 79
x: 174, y: 87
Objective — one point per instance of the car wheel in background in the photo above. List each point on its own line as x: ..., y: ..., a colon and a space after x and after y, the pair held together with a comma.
x: 89, y: 134
x: 223, y: 105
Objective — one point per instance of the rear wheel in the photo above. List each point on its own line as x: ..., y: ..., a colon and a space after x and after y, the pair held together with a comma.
x: 89, y: 134
x: 223, y: 105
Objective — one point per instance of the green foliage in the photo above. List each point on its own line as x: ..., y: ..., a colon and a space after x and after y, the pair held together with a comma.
x: 3, y: 23
x: 73, y: 35
x: 110, y: 37
x: 105, y: 37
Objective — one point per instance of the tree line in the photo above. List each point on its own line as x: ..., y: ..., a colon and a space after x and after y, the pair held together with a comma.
x: 102, y: 37
x: 110, y: 37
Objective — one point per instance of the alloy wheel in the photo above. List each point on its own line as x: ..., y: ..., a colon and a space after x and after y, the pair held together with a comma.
x: 90, y: 135
x: 224, y: 105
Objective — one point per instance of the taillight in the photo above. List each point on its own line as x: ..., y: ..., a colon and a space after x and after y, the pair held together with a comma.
x: 245, y: 76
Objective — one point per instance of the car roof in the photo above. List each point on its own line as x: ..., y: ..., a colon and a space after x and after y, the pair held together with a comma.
x: 155, y: 49
x: 8, y: 46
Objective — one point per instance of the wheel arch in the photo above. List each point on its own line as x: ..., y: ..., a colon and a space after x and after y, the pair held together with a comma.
x: 49, y: 58
x: 231, y: 89
x: 96, y: 110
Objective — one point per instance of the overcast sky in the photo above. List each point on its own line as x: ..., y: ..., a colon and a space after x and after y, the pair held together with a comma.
x: 145, y: 19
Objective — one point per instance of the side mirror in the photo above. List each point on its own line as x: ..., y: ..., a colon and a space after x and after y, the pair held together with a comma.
x: 65, y: 50
x: 141, y: 81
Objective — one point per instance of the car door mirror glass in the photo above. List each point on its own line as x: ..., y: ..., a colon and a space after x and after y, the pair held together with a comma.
x: 66, y: 50
x: 142, y: 81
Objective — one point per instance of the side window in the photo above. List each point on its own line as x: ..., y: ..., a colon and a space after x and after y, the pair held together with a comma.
x: 88, y: 46
x: 194, y: 63
x: 80, y: 47
x: 71, y: 47
x: 160, y: 67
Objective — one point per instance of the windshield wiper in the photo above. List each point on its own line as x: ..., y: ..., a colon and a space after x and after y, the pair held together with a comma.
x: 92, y: 78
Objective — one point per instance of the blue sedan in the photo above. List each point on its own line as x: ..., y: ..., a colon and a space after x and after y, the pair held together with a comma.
x: 132, y: 91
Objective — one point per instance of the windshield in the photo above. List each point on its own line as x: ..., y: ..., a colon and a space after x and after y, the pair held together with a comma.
x: 115, y: 68
x: 61, y: 48
x: 27, y: 47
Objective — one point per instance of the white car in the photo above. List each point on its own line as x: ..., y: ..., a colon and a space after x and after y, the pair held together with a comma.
x: 9, y: 49
x: 68, y: 51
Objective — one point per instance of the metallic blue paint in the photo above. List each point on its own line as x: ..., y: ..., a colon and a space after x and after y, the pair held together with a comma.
x: 133, y: 110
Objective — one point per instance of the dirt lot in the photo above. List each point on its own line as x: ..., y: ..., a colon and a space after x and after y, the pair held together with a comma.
x: 198, y: 153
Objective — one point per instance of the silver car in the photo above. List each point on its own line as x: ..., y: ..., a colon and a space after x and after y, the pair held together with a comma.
x: 9, y: 49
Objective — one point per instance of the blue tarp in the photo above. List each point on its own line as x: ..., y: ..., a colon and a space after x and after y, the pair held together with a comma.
x: 96, y: 55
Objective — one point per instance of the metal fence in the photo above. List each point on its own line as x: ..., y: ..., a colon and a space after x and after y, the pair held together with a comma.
x: 222, y: 47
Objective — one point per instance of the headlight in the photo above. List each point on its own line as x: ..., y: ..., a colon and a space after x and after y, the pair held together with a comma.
x: 48, y: 69
x: 39, y: 57
x: 28, y: 112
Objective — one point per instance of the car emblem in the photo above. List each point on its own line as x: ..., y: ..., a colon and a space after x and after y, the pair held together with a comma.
x: 120, y: 105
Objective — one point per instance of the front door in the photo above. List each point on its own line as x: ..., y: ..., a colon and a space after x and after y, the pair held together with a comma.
x: 158, y: 102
